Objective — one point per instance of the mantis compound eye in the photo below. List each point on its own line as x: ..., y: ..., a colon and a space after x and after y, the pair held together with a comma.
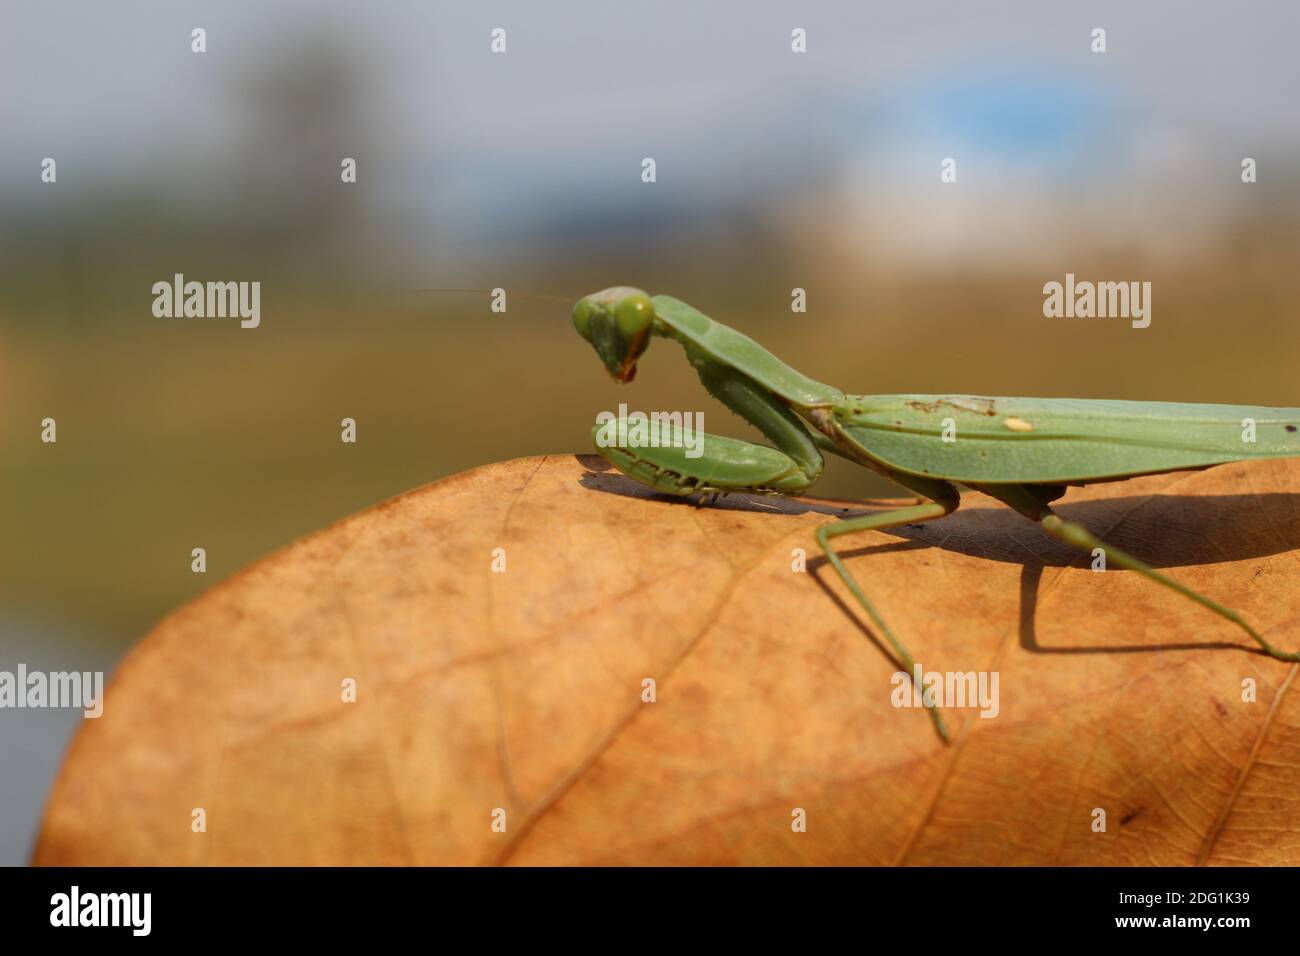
x: 634, y: 315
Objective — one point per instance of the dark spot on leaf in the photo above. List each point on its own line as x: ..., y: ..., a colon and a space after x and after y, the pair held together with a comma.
x: 1218, y: 707
x: 1130, y: 816
x: 1290, y: 428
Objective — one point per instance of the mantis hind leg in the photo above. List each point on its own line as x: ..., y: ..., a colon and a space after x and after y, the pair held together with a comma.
x: 1032, y: 501
x: 945, y: 502
x: 1077, y: 536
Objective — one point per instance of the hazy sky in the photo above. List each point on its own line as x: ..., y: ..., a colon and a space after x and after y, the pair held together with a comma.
x: 586, y: 89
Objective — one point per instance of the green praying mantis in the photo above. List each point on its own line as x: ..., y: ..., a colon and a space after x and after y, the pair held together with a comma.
x: 1022, y: 451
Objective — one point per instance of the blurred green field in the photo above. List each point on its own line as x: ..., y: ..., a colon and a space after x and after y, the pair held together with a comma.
x: 175, y: 434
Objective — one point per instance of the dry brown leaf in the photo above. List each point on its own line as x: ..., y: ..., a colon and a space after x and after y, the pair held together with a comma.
x: 522, y: 690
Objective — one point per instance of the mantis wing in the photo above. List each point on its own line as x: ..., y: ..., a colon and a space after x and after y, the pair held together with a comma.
x: 1058, y: 440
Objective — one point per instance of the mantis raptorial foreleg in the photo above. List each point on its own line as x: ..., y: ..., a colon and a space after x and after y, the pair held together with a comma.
x: 1077, y: 536
x: 882, y: 522
x: 729, y: 464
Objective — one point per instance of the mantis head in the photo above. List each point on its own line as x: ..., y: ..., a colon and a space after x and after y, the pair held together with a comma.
x: 617, y: 322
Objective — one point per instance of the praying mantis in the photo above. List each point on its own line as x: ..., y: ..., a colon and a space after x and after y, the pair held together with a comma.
x: 1023, y: 452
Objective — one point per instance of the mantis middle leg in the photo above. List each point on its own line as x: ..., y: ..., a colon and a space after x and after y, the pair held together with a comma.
x: 945, y: 501
x: 731, y: 465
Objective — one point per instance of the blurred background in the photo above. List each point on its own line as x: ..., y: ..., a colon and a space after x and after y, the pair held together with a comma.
x: 522, y: 170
